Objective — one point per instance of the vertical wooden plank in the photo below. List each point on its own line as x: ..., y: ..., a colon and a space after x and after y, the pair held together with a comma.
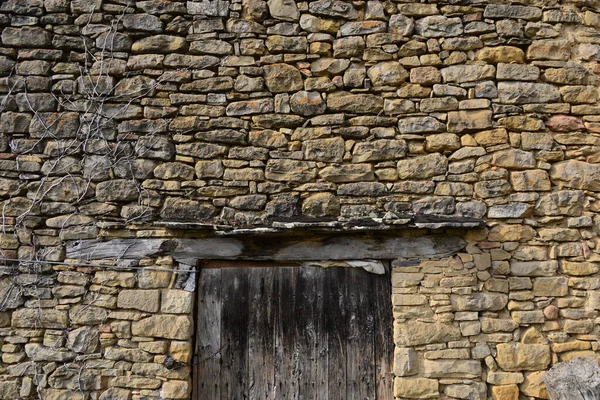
x: 360, y: 361
x: 305, y: 315
x: 384, y: 347
x: 286, y: 340
x: 208, y: 336
x: 276, y: 313
x: 234, y: 334
x: 367, y: 328
x: 321, y: 344
x: 261, y: 339
x: 336, y: 328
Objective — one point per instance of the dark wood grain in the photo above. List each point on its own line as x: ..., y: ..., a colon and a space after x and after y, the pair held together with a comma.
x: 294, y: 333
x: 261, y: 339
x: 286, y: 342
x: 308, y: 334
x: 340, y: 246
x: 208, y: 340
x: 360, y: 359
x: 384, y: 345
x: 337, y: 330
x: 234, y: 334
x: 322, y: 336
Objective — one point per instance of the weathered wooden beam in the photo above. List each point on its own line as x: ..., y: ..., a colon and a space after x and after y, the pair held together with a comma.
x: 113, y: 249
x: 577, y: 379
x: 272, y: 248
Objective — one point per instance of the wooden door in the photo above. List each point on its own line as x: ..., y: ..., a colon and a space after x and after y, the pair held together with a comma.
x: 267, y: 333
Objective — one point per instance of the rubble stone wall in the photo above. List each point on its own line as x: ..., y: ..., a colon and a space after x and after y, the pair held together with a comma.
x: 118, y: 117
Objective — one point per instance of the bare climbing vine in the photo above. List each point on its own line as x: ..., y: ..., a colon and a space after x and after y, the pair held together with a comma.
x: 75, y: 160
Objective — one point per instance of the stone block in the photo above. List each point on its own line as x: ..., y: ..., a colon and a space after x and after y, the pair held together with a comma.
x: 38, y: 352
x: 405, y: 361
x: 176, y: 301
x: 530, y: 181
x: 436, y: 26
x: 416, y: 333
x: 84, y: 340
x: 175, y: 389
x: 165, y: 44
x: 422, y: 167
x: 164, y: 326
x: 290, y: 170
x: 416, y: 388
x: 505, y: 392
x: 505, y: 378
x: 479, y: 302
x: 321, y: 205
x: 181, y: 351
x: 551, y: 286
x: 26, y: 37
x: 528, y: 317
x: 467, y: 73
x: 534, y: 385
x: 379, y: 150
x: 354, y: 103
x: 501, y: 54
x: 143, y: 300
x: 387, y: 74
x: 513, y: 357
x: 328, y: 150
x: 527, y: 92
x: 87, y: 315
x: 511, y: 233
x: 347, y: 173
x: 40, y: 318
x: 452, y: 368
x: 512, y: 12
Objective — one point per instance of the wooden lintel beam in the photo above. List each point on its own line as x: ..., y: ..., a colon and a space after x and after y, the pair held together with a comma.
x: 271, y: 248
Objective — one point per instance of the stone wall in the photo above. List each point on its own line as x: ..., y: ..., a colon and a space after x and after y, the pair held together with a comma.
x: 119, y: 118
x: 80, y: 333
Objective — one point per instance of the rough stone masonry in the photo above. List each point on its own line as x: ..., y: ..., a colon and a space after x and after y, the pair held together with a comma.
x: 121, y: 117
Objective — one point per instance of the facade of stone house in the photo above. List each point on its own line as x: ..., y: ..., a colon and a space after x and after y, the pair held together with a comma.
x: 452, y: 146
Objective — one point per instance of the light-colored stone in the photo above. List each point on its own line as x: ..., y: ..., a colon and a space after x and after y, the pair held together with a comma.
x: 143, y: 300
x: 290, y: 170
x: 176, y: 301
x: 286, y: 10
x: 452, y: 368
x: 527, y: 92
x: 379, y: 150
x: 419, y: 333
x: 281, y: 78
x: 321, y: 205
x: 164, y: 326
x: 354, y: 103
x: 405, y: 361
x: 84, y: 340
x: 422, y: 167
x: 467, y: 73
x: 387, y: 74
x: 576, y: 174
x: 416, y: 388
x: 513, y: 357
x: 461, y: 121
x: 40, y: 318
x: 528, y: 181
x: 551, y: 286
x: 439, y: 26
x: 505, y: 392
x: 479, y: 302
x: 176, y: 389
